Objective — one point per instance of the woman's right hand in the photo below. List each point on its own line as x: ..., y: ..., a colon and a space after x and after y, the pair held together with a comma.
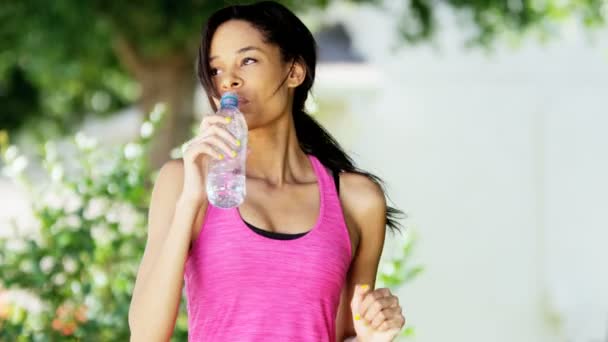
x: 212, y: 141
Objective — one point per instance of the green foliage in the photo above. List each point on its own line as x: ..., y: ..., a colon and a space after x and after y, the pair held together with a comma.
x: 397, y: 271
x: 79, y: 257
x: 67, y: 49
x: 66, y: 57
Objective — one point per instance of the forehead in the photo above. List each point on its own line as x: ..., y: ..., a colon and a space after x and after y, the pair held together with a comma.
x: 234, y: 35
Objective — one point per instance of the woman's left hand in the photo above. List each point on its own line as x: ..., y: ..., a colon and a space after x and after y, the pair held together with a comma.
x: 378, y: 317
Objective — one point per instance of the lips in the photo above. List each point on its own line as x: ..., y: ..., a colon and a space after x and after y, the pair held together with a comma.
x: 243, y: 100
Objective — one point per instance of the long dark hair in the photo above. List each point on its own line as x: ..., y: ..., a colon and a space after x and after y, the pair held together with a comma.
x: 283, y: 28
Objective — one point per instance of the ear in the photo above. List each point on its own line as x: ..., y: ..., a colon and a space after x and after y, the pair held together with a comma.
x: 297, y: 74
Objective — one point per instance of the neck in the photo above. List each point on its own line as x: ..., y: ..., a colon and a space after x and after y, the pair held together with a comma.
x: 276, y: 157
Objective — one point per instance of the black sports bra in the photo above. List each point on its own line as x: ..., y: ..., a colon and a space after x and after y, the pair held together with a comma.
x: 287, y: 236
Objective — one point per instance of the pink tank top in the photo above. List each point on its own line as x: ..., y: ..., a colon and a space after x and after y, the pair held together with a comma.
x: 243, y: 286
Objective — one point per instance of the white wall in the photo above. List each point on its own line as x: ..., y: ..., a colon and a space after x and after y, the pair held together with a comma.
x: 500, y: 163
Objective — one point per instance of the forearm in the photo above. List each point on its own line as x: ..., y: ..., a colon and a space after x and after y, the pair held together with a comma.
x: 156, y: 300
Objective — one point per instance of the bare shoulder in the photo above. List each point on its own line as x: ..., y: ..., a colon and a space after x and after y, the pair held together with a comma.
x: 172, y: 170
x: 169, y: 181
x: 167, y: 190
x: 361, y: 194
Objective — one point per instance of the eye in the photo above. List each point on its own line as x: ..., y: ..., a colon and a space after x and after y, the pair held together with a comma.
x: 248, y: 60
x: 213, y: 71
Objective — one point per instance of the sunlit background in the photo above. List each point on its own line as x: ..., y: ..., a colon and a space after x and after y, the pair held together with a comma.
x: 487, y: 120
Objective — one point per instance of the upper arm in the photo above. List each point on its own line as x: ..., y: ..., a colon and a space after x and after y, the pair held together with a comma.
x: 165, y: 193
x: 364, y: 206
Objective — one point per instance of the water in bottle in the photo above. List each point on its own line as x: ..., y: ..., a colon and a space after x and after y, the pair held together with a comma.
x: 226, y: 177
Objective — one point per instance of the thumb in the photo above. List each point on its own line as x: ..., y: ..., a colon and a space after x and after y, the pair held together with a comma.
x: 355, y: 303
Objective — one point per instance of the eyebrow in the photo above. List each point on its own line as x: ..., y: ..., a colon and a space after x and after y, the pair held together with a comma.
x: 241, y: 50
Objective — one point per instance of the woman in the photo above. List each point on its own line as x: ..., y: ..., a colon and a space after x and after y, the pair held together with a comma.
x: 285, y: 281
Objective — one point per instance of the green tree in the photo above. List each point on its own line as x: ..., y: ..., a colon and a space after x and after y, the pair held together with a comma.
x: 97, y: 56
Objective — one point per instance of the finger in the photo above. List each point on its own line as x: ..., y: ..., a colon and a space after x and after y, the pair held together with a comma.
x: 387, y: 314
x: 215, y: 140
x: 396, y: 323
x: 213, y: 120
x: 220, y: 145
x: 371, y: 298
x: 222, y: 132
x: 355, y: 303
x: 377, y: 306
x: 193, y: 151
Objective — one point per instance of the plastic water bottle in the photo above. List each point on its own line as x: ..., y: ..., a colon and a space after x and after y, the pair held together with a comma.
x: 226, y: 177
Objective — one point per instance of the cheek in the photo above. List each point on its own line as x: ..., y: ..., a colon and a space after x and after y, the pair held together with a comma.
x: 263, y: 79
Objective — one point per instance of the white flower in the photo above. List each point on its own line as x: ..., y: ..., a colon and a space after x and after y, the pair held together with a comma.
x: 74, y: 222
x: 146, y: 129
x: 132, y: 151
x: 69, y: 264
x: 93, y: 304
x: 112, y: 188
x: 40, y: 241
x: 388, y: 268
x: 132, y: 178
x: 96, y: 207
x: 157, y: 112
x: 15, y: 163
x: 35, y: 322
x: 11, y: 153
x: 56, y: 173
x: 99, y: 277
x: 26, y: 266
x: 15, y: 167
x: 47, y: 263
x: 113, y: 214
x: 72, y: 202
x: 50, y: 151
x: 16, y: 245
x: 125, y: 215
x: 59, y: 279
x: 126, y: 229
x: 23, y: 299
x: 27, y: 225
x: 84, y: 142
x: 176, y: 153
x: 102, y: 234
x: 52, y: 200
x: 76, y: 287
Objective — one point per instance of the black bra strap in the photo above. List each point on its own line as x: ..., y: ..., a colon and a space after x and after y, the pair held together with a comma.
x: 337, y: 180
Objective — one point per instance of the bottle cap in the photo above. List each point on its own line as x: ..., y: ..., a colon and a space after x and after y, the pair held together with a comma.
x: 229, y: 99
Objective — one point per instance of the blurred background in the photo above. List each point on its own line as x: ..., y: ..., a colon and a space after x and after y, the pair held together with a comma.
x: 487, y: 120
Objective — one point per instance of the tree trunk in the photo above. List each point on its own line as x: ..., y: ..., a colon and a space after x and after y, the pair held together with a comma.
x: 175, y: 86
x: 170, y: 79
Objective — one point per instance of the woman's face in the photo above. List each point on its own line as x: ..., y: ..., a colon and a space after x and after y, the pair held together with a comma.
x: 240, y: 61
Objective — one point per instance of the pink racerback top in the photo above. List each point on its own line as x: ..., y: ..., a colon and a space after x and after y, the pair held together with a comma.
x: 243, y: 286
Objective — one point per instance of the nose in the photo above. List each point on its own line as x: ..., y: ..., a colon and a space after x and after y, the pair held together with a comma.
x: 231, y: 81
